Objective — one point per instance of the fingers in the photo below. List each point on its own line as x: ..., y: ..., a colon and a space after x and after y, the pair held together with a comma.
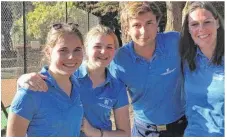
x: 33, y: 81
x: 29, y: 86
x: 40, y: 83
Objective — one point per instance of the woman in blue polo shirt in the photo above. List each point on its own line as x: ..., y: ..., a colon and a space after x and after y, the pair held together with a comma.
x: 59, y: 111
x: 202, y: 52
x: 100, y: 92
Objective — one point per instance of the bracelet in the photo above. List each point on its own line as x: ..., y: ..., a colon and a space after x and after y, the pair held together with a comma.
x: 101, y: 131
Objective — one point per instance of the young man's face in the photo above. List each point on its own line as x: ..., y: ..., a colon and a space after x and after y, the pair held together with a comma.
x: 143, y: 29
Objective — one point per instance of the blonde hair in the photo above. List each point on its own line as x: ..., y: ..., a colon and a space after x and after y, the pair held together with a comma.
x: 133, y: 9
x: 101, y: 30
x: 56, y: 33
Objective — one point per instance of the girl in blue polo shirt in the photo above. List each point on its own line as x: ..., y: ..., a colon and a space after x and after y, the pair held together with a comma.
x: 59, y: 112
x: 202, y: 52
x: 100, y: 92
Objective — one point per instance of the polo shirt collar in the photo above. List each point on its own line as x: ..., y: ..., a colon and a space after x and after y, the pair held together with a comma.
x: 83, y: 72
x: 50, y: 79
x: 135, y: 56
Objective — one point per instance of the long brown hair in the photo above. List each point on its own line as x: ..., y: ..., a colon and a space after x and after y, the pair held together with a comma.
x: 187, y: 45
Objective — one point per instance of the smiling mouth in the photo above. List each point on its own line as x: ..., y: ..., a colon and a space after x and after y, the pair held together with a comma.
x: 105, y: 58
x: 70, y: 65
x: 203, y: 36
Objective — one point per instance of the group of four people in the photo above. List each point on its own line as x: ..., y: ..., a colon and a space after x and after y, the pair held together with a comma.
x: 175, y: 80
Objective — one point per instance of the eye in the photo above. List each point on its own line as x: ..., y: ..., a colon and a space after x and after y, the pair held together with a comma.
x: 150, y: 22
x: 62, y: 50
x: 207, y: 22
x: 194, y: 24
x: 78, y: 49
x: 110, y: 47
x: 136, y: 25
x: 98, y: 47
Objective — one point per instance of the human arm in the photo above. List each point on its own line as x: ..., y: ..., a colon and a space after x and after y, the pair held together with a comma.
x: 89, y: 130
x: 122, y: 122
x: 33, y: 81
x: 22, y: 110
x: 16, y: 126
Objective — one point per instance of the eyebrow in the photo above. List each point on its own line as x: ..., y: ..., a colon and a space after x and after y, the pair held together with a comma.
x: 101, y: 44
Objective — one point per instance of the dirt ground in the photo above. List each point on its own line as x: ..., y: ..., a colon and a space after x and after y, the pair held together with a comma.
x: 8, y: 91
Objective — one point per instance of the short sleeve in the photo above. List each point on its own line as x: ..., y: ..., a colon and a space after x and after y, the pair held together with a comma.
x: 122, y: 99
x: 24, y: 104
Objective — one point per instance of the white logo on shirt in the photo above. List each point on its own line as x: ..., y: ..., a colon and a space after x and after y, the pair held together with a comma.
x: 168, y: 71
x: 106, y: 102
x: 218, y: 77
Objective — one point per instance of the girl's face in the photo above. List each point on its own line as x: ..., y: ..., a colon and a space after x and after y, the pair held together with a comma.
x: 67, y: 55
x: 100, y: 51
x: 203, y: 28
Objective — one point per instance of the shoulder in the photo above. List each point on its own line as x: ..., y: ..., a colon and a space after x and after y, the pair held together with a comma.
x: 169, y: 36
x: 27, y: 93
x: 117, y: 86
x: 124, y: 51
x: 169, y: 41
x: 26, y: 96
x: 81, y: 71
x: 26, y: 103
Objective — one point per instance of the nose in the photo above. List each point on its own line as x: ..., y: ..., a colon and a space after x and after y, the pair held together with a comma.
x: 102, y: 50
x: 142, y: 30
x: 201, y: 27
x: 70, y: 56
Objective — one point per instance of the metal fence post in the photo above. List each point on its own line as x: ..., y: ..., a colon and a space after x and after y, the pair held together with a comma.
x: 66, y: 12
x: 4, y: 110
x: 24, y: 28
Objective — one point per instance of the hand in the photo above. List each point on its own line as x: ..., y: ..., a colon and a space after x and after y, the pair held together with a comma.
x: 88, y: 129
x: 33, y: 81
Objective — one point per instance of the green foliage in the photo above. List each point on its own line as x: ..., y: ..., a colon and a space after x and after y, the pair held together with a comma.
x: 39, y: 20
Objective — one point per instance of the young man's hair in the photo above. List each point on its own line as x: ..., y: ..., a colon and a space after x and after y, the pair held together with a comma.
x: 133, y: 9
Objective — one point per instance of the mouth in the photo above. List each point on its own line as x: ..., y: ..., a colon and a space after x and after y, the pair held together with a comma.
x: 70, y: 65
x: 102, y: 58
x: 203, y: 36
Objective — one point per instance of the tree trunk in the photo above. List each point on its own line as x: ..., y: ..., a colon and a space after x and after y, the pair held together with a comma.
x: 124, y: 35
x: 174, y: 15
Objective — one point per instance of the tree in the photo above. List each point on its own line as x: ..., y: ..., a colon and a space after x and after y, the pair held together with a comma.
x: 174, y: 15
x: 38, y: 20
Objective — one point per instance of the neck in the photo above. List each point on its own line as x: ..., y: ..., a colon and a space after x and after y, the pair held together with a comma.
x: 95, y: 72
x: 97, y: 75
x: 63, y: 81
x: 145, y: 51
x: 58, y: 77
x: 207, y: 51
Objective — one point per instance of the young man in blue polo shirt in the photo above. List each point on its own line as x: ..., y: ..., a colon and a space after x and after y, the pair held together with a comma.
x: 149, y: 65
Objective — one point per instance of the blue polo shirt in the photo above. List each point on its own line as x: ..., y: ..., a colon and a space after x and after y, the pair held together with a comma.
x: 154, y: 85
x: 205, y: 93
x: 98, y: 102
x: 52, y: 113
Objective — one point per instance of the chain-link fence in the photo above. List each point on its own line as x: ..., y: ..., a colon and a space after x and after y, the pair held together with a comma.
x: 24, y: 27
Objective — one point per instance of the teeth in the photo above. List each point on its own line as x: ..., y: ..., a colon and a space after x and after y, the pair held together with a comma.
x: 69, y: 65
x: 203, y: 36
x: 102, y: 58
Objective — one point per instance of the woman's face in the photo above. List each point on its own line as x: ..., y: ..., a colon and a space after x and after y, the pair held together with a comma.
x: 67, y: 55
x: 203, y: 28
x: 100, y: 50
